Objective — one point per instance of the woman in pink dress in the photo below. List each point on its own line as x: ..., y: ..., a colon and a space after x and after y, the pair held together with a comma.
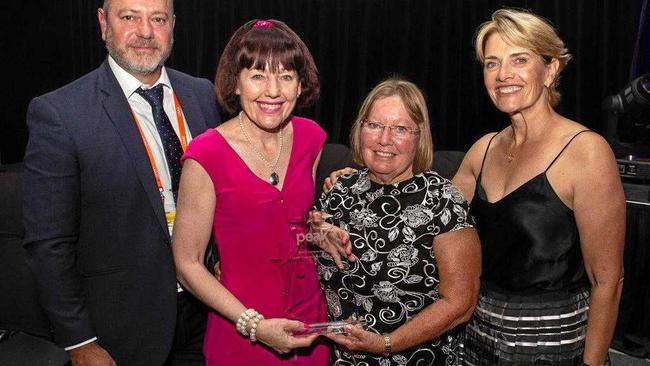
x: 250, y: 183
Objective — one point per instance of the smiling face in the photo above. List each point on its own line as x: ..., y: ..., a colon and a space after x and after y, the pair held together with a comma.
x: 138, y: 35
x: 389, y: 159
x: 268, y: 98
x: 515, y: 77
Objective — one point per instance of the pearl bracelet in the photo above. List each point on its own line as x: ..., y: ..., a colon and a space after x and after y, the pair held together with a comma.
x: 242, y: 322
x: 253, y: 331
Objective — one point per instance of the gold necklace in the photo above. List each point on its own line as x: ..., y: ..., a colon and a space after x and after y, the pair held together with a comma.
x: 274, y: 178
x: 510, y: 156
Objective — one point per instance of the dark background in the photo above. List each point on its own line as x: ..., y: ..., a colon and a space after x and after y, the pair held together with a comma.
x: 356, y: 43
x: 45, y: 44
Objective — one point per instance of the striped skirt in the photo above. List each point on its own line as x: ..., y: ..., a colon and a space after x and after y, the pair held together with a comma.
x: 535, y: 330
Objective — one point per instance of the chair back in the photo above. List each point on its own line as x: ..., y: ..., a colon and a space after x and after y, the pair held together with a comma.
x: 19, y: 308
x: 447, y: 162
x: 334, y: 157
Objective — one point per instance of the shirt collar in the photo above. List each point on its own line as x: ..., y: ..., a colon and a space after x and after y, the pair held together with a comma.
x: 129, y: 83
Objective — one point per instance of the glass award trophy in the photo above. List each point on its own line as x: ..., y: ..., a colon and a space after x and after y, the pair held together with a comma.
x: 335, y: 327
x: 308, y: 250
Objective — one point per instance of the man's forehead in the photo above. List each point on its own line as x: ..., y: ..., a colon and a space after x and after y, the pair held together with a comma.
x: 164, y: 6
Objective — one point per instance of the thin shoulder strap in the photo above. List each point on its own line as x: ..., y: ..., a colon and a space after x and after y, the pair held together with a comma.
x: 486, y: 151
x: 564, y: 148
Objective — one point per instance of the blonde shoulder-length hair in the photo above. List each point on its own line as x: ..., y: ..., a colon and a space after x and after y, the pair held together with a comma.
x: 525, y: 29
x: 416, y: 107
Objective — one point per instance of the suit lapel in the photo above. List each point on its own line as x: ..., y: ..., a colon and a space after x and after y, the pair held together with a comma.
x: 118, y: 111
x: 190, y: 104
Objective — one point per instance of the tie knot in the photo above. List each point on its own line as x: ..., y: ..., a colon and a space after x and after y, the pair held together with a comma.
x: 153, y: 96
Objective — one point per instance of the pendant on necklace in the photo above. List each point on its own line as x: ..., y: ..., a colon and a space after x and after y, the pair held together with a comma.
x: 274, y: 179
x: 510, y: 157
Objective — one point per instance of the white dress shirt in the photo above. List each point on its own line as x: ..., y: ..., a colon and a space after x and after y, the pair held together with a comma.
x: 142, y: 109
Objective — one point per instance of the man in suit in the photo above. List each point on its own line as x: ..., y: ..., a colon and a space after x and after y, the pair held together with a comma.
x: 101, y: 175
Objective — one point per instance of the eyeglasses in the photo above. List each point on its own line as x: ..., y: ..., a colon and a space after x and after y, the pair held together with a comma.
x: 397, y: 131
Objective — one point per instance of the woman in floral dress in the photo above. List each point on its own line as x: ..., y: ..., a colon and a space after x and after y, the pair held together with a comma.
x: 418, y: 257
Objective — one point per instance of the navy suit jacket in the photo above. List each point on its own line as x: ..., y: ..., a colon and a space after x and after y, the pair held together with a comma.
x: 96, y: 236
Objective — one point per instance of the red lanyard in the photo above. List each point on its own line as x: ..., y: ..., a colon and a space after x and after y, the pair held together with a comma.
x: 183, y: 139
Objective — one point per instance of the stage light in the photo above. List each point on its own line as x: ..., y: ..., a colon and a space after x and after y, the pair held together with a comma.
x: 635, y: 96
x: 628, y: 128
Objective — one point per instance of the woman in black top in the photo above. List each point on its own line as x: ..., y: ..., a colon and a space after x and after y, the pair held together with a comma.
x: 549, y: 209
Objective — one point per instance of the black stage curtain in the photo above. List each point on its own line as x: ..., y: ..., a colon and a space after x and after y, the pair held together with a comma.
x: 356, y: 43
x: 632, y: 334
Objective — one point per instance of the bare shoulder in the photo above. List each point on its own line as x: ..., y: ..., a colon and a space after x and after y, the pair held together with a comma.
x: 481, y: 144
x: 590, y: 147
x: 230, y: 130
x: 228, y: 126
x: 477, y: 151
x: 465, y: 177
x: 588, y: 156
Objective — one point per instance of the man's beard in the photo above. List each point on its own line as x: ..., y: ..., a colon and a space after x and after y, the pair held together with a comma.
x: 145, y: 64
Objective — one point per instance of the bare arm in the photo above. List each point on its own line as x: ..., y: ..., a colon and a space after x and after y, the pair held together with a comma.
x: 599, y: 207
x: 458, y: 255
x: 315, y: 167
x: 465, y: 178
x: 195, y: 211
x: 192, y: 229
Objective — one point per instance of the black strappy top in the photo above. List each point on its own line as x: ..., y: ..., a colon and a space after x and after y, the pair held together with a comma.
x: 529, y: 238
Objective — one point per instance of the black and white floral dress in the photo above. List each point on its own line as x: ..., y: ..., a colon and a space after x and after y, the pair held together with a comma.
x: 391, y: 228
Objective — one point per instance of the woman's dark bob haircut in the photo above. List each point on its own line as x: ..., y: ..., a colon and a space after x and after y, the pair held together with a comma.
x: 259, y: 44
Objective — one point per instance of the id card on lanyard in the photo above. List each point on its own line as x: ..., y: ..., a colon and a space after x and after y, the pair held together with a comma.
x: 170, y: 216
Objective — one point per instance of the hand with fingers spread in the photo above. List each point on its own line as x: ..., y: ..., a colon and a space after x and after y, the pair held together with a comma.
x: 334, y: 176
x: 330, y: 238
x: 276, y: 333
x: 358, y: 339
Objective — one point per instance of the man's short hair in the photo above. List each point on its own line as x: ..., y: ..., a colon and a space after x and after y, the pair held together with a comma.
x: 108, y: 2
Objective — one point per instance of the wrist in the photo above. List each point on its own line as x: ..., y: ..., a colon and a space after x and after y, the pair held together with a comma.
x: 82, y: 347
x: 242, y: 321
x: 388, y: 346
x: 253, y: 329
x: 607, y: 362
x: 247, y: 323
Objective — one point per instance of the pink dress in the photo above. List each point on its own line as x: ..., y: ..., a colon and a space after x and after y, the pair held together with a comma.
x: 258, y: 229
